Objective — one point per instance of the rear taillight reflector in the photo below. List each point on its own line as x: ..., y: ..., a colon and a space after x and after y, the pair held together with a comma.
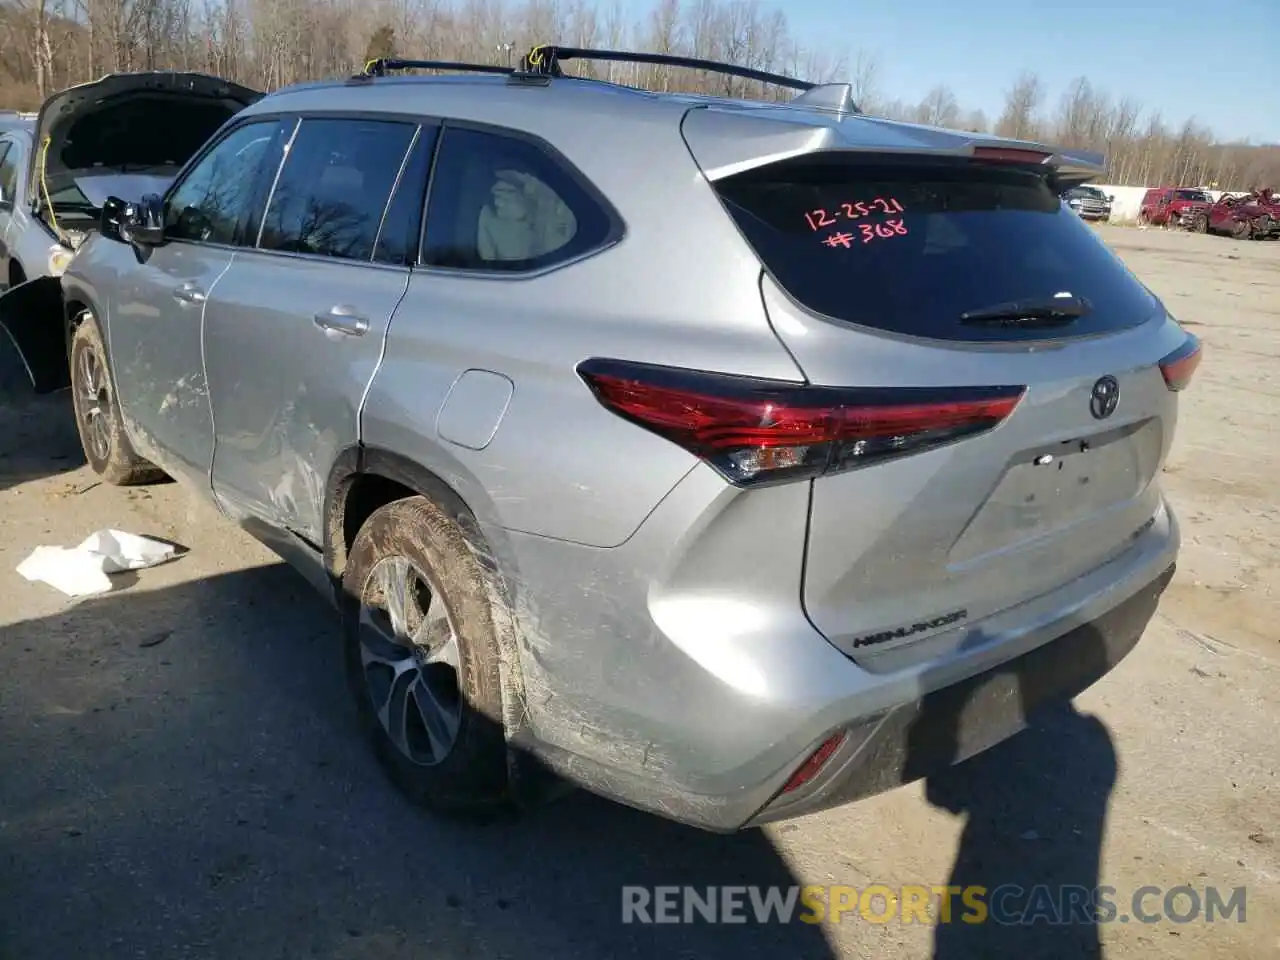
x: 1180, y: 366
x: 817, y: 760
x: 759, y: 431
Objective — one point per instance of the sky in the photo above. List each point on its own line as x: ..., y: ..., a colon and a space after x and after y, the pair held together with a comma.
x: 1166, y: 54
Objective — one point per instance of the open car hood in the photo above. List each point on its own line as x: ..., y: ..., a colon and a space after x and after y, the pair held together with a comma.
x: 130, y: 123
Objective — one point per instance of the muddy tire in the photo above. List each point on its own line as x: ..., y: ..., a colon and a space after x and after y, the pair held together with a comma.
x: 98, y: 421
x: 1241, y: 229
x: 423, y: 655
x: 1200, y: 224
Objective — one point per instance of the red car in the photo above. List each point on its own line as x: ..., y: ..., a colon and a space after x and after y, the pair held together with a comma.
x: 1255, y: 216
x: 1173, y: 207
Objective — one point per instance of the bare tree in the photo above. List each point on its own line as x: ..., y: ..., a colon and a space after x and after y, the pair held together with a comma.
x: 46, y: 45
x: 939, y: 108
x: 1022, y: 107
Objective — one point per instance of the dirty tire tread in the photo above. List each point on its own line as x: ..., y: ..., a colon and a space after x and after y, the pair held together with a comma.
x: 122, y: 466
x: 472, y: 779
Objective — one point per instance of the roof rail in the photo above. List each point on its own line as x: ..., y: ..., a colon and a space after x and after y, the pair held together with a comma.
x: 544, y: 60
x: 381, y: 66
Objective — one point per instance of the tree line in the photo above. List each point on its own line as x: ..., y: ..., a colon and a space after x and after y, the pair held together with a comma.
x: 51, y: 44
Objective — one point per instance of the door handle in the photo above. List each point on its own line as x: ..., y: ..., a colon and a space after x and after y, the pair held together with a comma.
x: 344, y: 320
x: 188, y: 293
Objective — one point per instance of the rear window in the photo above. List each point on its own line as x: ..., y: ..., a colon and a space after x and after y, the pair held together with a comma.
x: 908, y: 246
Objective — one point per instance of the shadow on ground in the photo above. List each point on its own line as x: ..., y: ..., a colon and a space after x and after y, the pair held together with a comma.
x: 182, y: 777
x: 1035, y: 806
x: 37, y: 433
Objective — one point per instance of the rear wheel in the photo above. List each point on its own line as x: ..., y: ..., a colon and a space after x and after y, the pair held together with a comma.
x: 1144, y: 219
x: 98, y: 420
x: 422, y: 657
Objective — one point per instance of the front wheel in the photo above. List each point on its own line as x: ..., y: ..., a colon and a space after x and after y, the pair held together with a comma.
x: 423, y: 658
x: 98, y: 420
x: 1200, y: 224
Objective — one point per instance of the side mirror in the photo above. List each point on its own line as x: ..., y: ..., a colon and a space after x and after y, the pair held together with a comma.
x: 1111, y: 198
x: 111, y: 220
x: 143, y: 223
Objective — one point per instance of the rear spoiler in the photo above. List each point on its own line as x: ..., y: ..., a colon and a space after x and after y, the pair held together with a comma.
x: 728, y: 140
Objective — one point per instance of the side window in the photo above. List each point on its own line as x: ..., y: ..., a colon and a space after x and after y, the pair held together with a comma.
x: 214, y: 199
x: 402, y: 226
x: 9, y: 156
x: 503, y: 203
x: 334, y: 187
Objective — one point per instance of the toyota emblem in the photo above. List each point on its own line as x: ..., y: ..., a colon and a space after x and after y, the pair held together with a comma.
x: 1105, y: 398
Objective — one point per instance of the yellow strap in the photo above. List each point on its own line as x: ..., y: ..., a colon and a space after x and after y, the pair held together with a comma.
x: 44, y: 187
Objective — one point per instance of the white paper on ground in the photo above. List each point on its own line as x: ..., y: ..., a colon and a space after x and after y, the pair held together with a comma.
x: 83, y: 571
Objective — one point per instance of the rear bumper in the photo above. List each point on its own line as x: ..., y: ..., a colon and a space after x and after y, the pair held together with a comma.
x: 924, y: 737
x: 704, y: 716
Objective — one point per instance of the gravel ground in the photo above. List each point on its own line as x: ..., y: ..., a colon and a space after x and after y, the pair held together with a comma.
x: 180, y: 776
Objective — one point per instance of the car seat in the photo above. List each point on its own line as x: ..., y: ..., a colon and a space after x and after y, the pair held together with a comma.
x: 522, y: 219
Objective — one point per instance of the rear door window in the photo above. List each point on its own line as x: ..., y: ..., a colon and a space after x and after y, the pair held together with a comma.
x: 402, y: 226
x: 910, y: 245
x: 333, y: 189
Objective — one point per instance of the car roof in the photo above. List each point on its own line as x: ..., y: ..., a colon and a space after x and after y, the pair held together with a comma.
x: 727, y: 134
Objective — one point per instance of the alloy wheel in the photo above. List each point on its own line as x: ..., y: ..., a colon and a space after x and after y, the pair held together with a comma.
x: 95, y: 403
x: 409, y: 659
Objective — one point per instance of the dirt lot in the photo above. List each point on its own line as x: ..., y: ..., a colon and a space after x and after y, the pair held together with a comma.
x: 179, y: 776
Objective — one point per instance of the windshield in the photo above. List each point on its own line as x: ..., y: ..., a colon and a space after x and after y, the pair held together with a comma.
x: 1193, y: 195
x: 1089, y: 193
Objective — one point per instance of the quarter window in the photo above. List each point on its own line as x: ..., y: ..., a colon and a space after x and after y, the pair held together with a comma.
x: 503, y: 203
x: 213, y: 201
x: 334, y: 187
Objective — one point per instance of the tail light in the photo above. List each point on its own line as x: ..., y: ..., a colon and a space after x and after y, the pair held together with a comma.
x: 766, y: 431
x: 1179, y: 366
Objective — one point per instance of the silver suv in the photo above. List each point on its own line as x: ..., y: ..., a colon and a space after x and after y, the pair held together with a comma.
x: 734, y: 460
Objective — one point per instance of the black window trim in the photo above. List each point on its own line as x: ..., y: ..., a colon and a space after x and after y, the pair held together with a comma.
x: 617, y: 226
x: 300, y: 116
x: 216, y: 140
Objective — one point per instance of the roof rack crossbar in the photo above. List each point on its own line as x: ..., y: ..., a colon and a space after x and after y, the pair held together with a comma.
x: 545, y: 60
x: 381, y: 66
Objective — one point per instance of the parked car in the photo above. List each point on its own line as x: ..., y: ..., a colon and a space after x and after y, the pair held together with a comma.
x: 124, y: 134
x: 1089, y: 203
x: 1173, y: 207
x: 14, y: 120
x: 627, y: 432
x: 1255, y: 216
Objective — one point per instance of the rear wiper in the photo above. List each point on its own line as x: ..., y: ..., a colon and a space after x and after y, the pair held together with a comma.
x: 1032, y: 312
